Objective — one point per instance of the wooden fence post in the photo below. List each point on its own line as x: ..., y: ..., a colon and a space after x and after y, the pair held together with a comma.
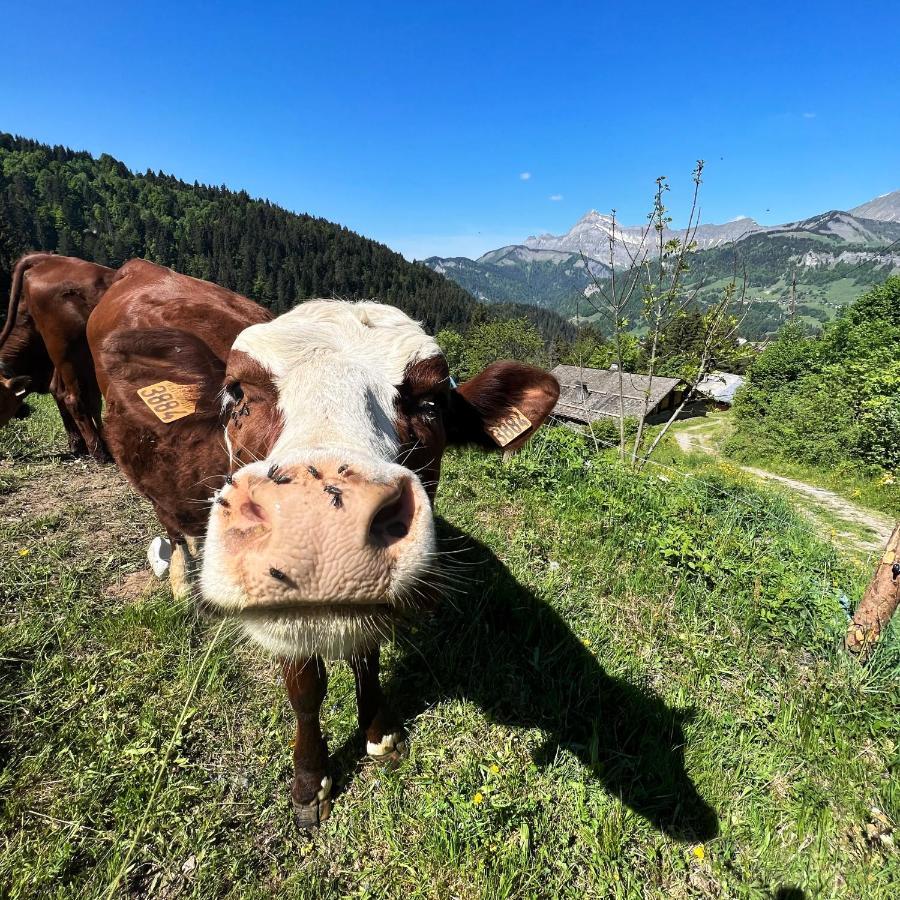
x: 878, y: 603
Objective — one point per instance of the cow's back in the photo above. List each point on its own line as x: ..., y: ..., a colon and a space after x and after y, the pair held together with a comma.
x: 145, y: 296
x: 49, y: 311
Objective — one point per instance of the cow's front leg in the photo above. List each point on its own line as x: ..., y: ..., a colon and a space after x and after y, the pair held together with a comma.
x: 306, y: 681
x: 384, y: 736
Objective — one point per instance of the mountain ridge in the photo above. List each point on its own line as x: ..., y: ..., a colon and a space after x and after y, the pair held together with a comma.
x: 817, y: 264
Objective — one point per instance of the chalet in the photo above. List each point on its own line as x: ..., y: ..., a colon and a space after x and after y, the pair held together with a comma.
x: 719, y: 388
x: 588, y: 395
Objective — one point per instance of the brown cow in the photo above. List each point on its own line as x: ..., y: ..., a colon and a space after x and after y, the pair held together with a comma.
x: 319, y: 436
x: 43, y: 345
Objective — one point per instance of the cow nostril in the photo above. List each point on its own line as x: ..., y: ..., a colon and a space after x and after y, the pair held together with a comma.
x: 391, y: 523
x: 253, y: 511
x: 397, y: 529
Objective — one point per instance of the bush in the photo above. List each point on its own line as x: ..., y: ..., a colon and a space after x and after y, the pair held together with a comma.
x: 833, y: 399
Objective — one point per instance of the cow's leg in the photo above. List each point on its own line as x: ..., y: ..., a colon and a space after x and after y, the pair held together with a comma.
x: 306, y: 681
x: 183, y: 566
x: 384, y: 736
x: 180, y: 569
x: 77, y: 444
x: 84, y: 410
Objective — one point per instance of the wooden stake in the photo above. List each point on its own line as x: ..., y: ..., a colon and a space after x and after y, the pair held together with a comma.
x: 879, y: 602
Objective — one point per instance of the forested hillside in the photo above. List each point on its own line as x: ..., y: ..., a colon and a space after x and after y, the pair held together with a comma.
x: 834, y: 400
x: 52, y: 198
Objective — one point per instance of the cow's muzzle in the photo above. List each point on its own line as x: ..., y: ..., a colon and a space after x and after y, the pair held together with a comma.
x: 325, y: 534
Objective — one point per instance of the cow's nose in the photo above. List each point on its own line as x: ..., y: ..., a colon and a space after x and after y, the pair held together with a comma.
x: 318, y: 532
x: 393, y: 511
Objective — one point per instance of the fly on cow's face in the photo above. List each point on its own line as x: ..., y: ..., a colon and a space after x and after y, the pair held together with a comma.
x: 275, y: 475
x: 335, y: 493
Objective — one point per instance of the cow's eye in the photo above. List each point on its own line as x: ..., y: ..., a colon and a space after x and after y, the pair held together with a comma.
x: 234, y: 391
x: 427, y: 407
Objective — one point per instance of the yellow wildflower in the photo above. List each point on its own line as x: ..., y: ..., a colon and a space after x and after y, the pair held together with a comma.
x: 494, y: 769
x: 699, y: 852
x: 24, y: 551
x: 478, y: 799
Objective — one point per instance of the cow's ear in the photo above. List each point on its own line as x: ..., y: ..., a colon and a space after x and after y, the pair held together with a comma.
x: 170, y: 370
x: 502, y: 406
x: 20, y: 385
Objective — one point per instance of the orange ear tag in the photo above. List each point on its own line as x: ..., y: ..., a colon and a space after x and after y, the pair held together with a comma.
x: 169, y: 401
x: 509, y: 428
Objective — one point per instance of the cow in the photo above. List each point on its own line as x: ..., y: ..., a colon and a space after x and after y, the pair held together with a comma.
x: 317, y: 437
x: 43, y: 345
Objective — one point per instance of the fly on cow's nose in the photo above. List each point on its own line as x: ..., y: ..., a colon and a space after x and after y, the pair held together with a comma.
x: 276, y: 475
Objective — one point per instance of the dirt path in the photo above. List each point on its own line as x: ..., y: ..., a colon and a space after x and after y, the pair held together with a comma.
x: 869, y: 529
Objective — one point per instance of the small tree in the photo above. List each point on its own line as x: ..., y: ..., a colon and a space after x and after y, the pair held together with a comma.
x: 453, y: 345
x: 509, y: 339
x: 652, y: 291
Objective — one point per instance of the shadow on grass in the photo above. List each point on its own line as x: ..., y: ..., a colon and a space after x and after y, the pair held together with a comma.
x: 499, y: 646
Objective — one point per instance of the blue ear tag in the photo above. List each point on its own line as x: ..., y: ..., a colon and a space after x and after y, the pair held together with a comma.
x: 453, y: 382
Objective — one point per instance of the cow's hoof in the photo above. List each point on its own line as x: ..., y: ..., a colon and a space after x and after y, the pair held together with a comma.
x: 313, y: 813
x: 159, y: 555
x: 390, y: 751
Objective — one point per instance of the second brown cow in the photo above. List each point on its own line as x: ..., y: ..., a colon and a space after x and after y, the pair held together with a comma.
x: 43, y: 344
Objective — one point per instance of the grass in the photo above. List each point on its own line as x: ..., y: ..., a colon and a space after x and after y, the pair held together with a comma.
x: 638, y: 693
x: 714, y: 433
x: 850, y: 480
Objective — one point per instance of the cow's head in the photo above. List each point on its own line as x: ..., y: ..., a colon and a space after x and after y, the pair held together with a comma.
x: 337, y: 415
x: 13, y: 389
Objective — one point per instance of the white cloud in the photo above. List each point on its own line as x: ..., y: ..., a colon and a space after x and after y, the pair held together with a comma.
x: 809, y: 115
x: 555, y: 197
x: 525, y: 176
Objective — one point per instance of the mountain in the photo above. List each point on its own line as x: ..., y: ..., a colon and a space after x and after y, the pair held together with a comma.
x: 885, y: 208
x: 52, y: 198
x: 519, y: 274
x: 814, y: 265
x: 591, y: 235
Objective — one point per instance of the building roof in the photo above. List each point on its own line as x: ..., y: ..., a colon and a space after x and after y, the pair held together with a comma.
x: 720, y: 386
x: 590, y: 394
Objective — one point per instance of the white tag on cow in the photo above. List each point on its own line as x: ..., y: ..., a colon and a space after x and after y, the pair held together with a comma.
x: 509, y: 428
x: 169, y: 401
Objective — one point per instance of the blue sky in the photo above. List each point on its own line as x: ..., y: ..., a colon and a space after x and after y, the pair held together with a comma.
x: 415, y: 123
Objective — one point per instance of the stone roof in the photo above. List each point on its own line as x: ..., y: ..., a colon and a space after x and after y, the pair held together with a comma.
x: 590, y: 394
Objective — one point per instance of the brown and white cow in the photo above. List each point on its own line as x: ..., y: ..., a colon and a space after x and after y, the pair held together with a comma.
x: 319, y: 436
x: 43, y: 345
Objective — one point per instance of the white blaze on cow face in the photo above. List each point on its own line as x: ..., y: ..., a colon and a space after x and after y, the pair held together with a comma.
x: 317, y: 554
x: 337, y: 367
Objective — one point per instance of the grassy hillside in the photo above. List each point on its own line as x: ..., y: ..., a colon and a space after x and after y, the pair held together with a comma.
x: 636, y: 693
x: 52, y: 198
